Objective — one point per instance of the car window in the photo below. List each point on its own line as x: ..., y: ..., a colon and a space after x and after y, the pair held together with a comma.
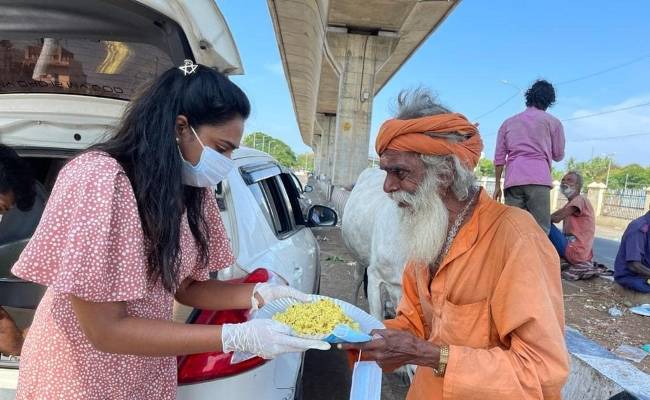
x: 219, y: 195
x: 101, y: 68
x: 275, y: 203
x: 294, y: 193
x: 279, y: 203
x: 296, y: 183
x: 260, y: 197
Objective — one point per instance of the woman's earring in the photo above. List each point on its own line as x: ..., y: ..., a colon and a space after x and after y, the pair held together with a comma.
x: 178, y: 140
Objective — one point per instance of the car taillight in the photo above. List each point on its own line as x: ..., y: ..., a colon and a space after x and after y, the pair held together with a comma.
x: 207, y: 366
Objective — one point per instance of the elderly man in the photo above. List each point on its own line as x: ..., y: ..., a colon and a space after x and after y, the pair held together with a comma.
x: 482, y: 314
x: 576, y: 240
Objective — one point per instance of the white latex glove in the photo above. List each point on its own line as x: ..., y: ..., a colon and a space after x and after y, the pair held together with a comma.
x: 271, y: 291
x: 265, y: 338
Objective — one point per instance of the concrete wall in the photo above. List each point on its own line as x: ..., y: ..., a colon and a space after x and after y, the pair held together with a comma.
x: 597, y: 374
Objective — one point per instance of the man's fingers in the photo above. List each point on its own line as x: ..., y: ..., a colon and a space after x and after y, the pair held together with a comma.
x: 350, y: 346
x: 365, y: 346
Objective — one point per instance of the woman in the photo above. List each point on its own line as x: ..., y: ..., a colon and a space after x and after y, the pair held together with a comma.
x: 129, y: 228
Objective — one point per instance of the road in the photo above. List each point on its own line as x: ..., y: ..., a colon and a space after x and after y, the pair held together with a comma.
x: 605, y: 251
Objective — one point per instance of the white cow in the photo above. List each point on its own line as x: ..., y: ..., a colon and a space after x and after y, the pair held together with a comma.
x: 369, y: 229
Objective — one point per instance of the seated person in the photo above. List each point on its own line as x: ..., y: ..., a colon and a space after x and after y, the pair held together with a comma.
x: 575, y: 242
x: 22, y: 198
x: 632, y: 265
x: 22, y: 201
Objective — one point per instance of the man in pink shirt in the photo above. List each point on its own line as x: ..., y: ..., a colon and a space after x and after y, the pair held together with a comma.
x: 576, y: 240
x: 526, y: 146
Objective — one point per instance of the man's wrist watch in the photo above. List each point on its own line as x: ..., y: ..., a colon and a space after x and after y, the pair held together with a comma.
x: 442, y: 364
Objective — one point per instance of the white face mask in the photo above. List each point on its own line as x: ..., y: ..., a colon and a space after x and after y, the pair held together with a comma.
x: 567, y: 190
x: 366, y: 381
x: 212, y: 168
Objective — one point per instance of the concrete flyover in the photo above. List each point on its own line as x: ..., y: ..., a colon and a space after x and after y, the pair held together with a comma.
x: 337, y: 55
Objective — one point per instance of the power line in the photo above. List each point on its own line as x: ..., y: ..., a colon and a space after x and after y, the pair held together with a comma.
x: 497, y: 107
x: 604, y: 71
x: 613, y: 68
x: 608, y: 112
x: 610, y: 137
x: 590, y: 139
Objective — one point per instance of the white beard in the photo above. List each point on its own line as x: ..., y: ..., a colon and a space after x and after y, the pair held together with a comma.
x: 423, y: 226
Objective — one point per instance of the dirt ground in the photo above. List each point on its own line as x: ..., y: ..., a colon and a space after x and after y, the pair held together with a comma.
x: 586, y: 306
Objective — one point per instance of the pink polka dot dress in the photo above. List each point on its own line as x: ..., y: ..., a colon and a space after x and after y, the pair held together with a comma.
x: 90, y: 244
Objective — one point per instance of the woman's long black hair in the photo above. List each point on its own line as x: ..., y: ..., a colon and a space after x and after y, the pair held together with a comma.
x: 145, y: 145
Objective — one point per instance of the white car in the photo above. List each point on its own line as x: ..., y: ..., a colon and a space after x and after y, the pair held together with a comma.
x: 67, y: 71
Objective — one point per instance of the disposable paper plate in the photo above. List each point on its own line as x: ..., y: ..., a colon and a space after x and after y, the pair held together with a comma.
x: 643, y: 309
x: 341, y: 333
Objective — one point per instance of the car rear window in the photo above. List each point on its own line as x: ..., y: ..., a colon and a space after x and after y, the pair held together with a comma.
x: 79, y: 66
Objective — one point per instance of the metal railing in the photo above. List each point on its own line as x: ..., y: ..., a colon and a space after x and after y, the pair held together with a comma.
x: 624, y: 203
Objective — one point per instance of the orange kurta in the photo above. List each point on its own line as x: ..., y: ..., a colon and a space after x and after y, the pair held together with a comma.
x: 496, y: 300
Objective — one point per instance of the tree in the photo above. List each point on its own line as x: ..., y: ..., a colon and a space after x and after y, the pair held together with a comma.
x: 594, y: 170
x: 557, y: 174
x: 629, y: 176
x: 275, y: 147
x: 485, y: 167
x: 305, y: 161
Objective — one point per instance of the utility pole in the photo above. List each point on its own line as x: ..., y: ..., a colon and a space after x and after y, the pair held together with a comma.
x: 609, y: 166
x: 255, y: 140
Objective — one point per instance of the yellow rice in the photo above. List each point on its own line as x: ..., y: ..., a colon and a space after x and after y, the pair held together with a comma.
x: 319, y: 317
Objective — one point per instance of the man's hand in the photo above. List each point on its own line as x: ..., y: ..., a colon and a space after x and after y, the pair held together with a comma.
x: 564, y: 212
x: 393, y: 348
x: 497, y: 193
x: 639, y: 269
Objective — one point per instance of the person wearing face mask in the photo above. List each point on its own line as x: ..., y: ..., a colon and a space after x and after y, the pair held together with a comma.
x: 22, y: 200
x: 575, y: 242
x: 130, y: 227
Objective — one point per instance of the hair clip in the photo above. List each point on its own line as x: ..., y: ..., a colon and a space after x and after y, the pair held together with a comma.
x: 188, y: 67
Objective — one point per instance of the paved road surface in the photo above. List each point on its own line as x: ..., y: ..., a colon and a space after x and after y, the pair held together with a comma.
x: 605, y: 251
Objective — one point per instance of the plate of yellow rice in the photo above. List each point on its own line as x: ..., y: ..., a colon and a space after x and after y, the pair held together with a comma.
x: 324, y: 318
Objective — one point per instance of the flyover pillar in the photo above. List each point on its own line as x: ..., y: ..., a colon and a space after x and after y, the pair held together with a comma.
x: 327, y: 124
x: 315, y: 145
x: 359, y: 57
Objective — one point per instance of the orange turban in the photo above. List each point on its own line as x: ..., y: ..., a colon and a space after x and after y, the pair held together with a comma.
x: 409, y: 135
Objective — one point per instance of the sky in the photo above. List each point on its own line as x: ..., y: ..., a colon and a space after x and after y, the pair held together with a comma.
x: 597, y: 52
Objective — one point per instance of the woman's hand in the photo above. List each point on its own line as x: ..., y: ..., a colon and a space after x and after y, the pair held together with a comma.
x: 265, y: 338
x: 392, y: 348
x: 266, y: 292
